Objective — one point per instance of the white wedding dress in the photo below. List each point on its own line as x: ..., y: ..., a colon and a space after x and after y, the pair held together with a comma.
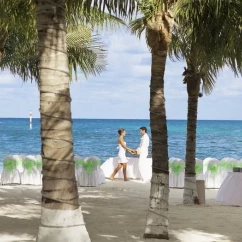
x: 122, y: 154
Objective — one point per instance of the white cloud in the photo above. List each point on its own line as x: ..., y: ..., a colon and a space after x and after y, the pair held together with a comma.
x: 123, y: 90
x: 6, y: 78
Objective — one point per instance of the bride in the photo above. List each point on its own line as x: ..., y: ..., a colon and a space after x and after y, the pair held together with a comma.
x: 122, y: 155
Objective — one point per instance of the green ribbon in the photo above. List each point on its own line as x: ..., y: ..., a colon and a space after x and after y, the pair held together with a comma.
x: 176, y: 167
x: 87, y: 165
x: 224, y: 165
x: 29, y: 165
x: 10, y: 165
x: 213, y: 168
x: 198, y: 169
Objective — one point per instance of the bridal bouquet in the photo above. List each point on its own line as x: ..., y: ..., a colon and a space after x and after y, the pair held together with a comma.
x: 138, y: 151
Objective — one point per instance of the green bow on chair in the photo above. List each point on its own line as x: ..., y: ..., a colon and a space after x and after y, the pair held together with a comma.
x: 29, y: 165
x: 176, y: 167
x: 9, y: 165
x: 214, y: 168
x: 87, y: 165
x: 198, y: 169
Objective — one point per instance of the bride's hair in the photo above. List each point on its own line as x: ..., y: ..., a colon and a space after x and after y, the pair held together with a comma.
x: 120, y: 131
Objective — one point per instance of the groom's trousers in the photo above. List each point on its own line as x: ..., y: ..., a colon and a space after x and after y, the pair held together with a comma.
x: 143, y: 166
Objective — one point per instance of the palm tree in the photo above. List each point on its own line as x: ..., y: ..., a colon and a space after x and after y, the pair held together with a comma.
x: 158, y: 23
x: 204, y: 58
x: 158, y: 41
x: 202, y: 67
x: 61, y: 216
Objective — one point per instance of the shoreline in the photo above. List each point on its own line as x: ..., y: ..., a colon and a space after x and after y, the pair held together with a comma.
x: 116, y: 212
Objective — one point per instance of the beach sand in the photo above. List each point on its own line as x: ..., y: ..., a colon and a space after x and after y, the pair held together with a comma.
x: 116, y: 212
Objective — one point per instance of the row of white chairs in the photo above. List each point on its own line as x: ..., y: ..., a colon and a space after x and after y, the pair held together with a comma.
x: 212, y: 170
x: 21, y: 169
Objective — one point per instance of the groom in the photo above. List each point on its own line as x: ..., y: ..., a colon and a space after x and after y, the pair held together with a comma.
x: 142, y: 151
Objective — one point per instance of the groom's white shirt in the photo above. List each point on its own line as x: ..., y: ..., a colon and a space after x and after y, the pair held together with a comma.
x: 144, y: 143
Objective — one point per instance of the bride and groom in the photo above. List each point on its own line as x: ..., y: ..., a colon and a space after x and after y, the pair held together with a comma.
x: 142, y: 151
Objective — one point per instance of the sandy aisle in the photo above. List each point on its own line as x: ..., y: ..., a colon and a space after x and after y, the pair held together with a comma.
x: 116, y: 212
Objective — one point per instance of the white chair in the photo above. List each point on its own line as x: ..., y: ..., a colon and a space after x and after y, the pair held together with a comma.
x: 199, y: 169
x: 177, y: 170
x: 211, y: 171
x: 39, y: 164
x: 91, y: 172
x: 31, y: 174
x: 226, y: 165
x: 10, y: 173
x: 19, y: 159
x: 78, y: 168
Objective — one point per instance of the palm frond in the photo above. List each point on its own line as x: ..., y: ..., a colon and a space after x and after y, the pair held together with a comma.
x: 86, y: 51
x: 216, y: 25
x: 20, y: 57
x: 125, y: 8
x: 204, y: 62
x: 94, y: 18
x: 137, y: 26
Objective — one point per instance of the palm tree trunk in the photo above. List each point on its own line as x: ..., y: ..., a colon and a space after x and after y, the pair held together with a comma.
x: 61, y: 216
x: 190, y: 190
x: 157, y: 217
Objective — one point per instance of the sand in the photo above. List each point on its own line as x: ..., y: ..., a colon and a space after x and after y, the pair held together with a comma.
x: 116, y: 212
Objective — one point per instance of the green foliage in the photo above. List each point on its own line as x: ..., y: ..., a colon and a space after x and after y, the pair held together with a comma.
x: 85, y: 51
x: 149, y: 7
x: 208, y: 35
x: 124, y: 8
x: 18, y: 33
x: 87, y: 165
x: 137, y: 26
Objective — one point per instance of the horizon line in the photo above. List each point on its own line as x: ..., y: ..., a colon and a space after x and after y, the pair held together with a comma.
x: 129, y: 119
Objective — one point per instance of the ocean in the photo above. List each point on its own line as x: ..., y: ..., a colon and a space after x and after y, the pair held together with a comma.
x: 98, y: 137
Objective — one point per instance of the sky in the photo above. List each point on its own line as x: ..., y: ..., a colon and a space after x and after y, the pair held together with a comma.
x: 122, y: 91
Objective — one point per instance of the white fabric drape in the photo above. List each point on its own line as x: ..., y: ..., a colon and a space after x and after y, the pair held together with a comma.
x: 230, y: 190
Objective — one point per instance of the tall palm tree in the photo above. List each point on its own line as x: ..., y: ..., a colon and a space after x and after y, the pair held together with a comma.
x: 220, y: 21
x: 158, y: 23
x: 61, y: 216
x: 157, y: 222
x: 202, y: 69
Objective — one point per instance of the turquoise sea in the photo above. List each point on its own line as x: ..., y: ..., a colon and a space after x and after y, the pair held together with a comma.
x: 98, y: 137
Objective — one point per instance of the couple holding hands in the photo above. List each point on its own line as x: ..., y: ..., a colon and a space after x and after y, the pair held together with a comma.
x: 142, y: 151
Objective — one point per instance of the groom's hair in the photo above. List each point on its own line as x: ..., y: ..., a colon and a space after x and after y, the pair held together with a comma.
x: 143, y: 128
